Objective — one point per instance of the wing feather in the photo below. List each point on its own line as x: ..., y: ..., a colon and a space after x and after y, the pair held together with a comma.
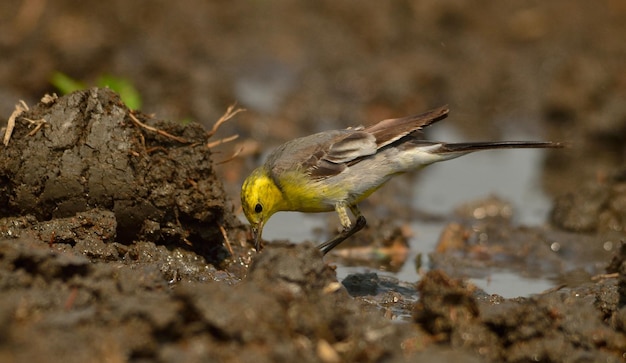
x: 354, y: 145
x: 326, y: 154
x: 322, y: 155
x: 391, y: 130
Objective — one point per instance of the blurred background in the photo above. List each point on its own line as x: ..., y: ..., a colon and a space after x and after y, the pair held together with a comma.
x: 508, y: 70
x: 552, y: 69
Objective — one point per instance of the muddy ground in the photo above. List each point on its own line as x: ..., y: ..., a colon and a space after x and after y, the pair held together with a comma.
x: 119, y: 235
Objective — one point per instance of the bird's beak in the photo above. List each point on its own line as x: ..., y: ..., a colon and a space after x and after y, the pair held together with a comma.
x: 257, y: 230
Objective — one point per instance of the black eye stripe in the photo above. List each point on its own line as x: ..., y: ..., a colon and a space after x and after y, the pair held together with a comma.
x: 258, y: 208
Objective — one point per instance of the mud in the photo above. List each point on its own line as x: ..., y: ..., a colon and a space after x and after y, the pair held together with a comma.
x: 90, y: 154
x: 119, y: 242
x: 123, y: 284
x: 525, y: 329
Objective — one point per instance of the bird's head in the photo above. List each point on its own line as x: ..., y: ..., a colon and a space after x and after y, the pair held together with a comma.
x: 260, y: 199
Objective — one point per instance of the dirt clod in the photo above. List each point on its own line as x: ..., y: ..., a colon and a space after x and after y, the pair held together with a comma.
x: 91, y: 155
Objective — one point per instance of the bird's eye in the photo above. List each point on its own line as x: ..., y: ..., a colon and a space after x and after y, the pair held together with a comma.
x: 258, y: 208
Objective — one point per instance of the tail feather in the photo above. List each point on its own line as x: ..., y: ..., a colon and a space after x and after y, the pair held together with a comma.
x: 427, y: 152
x: 466, y: 147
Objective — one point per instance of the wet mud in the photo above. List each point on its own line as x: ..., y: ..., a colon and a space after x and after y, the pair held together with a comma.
x: 127, y: 262
x: 90, y: 154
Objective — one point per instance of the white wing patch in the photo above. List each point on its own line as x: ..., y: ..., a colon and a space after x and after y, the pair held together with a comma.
x: 353, y: 146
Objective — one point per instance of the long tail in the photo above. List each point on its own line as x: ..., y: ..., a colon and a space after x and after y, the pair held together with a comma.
x: 421, y: 152
x: 467, y: 147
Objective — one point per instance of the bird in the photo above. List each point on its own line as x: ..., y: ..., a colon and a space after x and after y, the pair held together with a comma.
x: 335, y: 170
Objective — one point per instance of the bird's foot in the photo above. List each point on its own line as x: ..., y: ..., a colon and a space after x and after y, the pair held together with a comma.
x: 345, y: 234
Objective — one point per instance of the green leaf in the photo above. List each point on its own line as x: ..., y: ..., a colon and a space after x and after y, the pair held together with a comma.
x: 65, y: 84
x: 128, y: 93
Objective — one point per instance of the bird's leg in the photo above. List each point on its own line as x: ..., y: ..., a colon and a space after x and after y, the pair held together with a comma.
x: 348, y: 228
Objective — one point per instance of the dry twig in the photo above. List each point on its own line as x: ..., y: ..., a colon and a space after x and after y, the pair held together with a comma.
x: 605, y: 276
x: 154, y: 129
x: 231, y: 111
x: 222, y: 141
x: 553, y: 289
x: 234, y: 155
x: 49, y: 98
x: 226, y: 240
x: 37, y: 123
x: 19, y: 109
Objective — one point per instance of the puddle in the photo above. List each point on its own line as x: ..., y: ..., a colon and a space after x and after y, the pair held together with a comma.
x: 513, y: 175
x: 293, y: 226
x: 509, y: 284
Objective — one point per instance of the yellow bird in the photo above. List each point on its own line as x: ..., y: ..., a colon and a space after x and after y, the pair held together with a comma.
x: 335, y: 170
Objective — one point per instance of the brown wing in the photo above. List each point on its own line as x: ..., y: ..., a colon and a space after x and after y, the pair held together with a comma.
x: 390, y: 130
x: 358, y: 143
x: 333, y: 160
x: 327, y: 154
x: 324, y: 154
